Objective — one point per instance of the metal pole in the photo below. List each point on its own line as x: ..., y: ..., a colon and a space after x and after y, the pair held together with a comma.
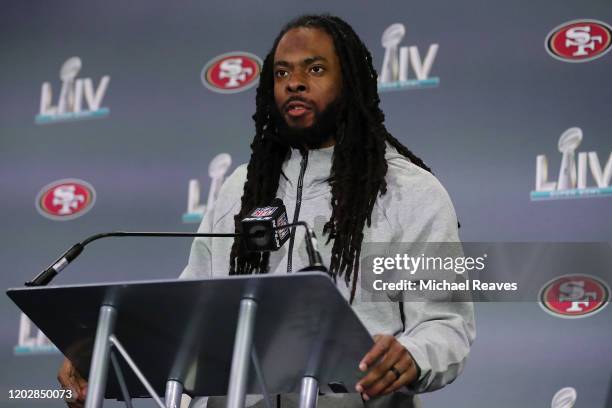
x: 121, y: 380
x: 236, y: 392
x: 261, y: 379
x: 174, y: 391
x: 143, y: 380
x: 99, y: 359
x: 309, y: 392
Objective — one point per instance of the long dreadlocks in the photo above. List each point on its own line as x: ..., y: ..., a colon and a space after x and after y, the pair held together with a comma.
x: 358, y: 169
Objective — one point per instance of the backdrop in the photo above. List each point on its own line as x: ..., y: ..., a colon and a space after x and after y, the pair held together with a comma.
x: 111, y: 113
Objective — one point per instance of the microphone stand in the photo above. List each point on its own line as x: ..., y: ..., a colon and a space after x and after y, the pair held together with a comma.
x: 46, y: 276
x: 315, y: 261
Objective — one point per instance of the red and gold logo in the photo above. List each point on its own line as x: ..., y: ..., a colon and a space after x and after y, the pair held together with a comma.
x: 232, y: 72
x: 579, y: 40
x: 65, y: 199
x: 574, y: 296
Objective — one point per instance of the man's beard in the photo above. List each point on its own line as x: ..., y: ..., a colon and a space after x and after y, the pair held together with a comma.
x: 322, y: 129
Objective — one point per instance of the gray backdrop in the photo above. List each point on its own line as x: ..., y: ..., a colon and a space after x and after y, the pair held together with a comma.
x: 501, y: 101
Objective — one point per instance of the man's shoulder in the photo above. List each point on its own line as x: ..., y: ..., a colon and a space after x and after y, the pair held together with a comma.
x: 234, y: 184
x: 230, y: 193
x: 406, y: 178
x: 416, y: 202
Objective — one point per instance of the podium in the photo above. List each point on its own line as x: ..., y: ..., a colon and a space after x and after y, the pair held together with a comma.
x: 255, y: 334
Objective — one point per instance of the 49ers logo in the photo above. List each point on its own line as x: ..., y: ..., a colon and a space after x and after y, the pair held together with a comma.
x: 579, y: 40
x: 574, y: 296
x: 231, y: 72
x: 65, y: 199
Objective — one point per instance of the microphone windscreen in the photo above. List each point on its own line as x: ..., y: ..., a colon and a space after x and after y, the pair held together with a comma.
x: 261, y: 222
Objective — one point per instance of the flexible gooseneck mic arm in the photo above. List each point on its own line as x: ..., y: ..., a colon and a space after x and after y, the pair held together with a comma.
x: 70, y: 255
x: 47, y: 275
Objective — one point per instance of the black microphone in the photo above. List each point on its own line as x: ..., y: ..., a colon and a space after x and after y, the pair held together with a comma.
x: 270, y: 223
x: 56, y: 267
x: 271, y: 226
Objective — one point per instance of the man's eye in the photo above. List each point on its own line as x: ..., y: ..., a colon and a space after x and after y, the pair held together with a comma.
x: 317, y: 69
x: 280, y: 74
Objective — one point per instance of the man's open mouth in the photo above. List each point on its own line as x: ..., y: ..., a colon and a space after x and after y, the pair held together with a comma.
x: 296, y: 109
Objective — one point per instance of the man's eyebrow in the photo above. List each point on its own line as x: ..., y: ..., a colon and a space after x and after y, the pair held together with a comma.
x: 306, y: 61
x: 316, y: 58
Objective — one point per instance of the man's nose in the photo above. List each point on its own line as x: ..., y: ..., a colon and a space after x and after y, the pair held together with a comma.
x: 296, y: 84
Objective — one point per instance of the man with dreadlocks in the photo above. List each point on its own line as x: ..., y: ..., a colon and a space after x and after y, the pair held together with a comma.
x: 321, y: 146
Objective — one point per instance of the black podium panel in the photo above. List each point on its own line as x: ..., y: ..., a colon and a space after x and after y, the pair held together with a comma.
x: 185, y: 329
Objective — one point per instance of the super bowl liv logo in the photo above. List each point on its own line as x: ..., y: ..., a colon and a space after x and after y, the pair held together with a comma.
x: 70, y: 100
x: 216, y: 171
x: 31, y: 340
x: 398, y: 63
x: 572, y: 179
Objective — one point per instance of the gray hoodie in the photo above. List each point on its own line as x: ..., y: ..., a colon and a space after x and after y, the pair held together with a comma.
x: 415, y: 208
